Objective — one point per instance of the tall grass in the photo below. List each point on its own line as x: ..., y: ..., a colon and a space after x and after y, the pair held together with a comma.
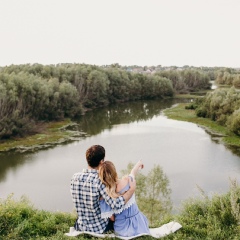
x: 215, y: 218
x: 20, y: 220
x: 207, y: 218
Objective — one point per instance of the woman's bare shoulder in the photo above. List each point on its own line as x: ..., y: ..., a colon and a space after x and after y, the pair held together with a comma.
x: 122, y: 183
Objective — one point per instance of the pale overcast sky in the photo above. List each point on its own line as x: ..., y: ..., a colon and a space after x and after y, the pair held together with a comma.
x: 128, y: 32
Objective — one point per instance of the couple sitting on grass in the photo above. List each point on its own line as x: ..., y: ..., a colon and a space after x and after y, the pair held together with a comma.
x: 105, y: 203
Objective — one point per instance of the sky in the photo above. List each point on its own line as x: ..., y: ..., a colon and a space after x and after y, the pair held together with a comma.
x: 128, y: 32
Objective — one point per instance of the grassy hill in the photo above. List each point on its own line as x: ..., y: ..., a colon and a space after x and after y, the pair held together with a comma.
x: 215, y: 218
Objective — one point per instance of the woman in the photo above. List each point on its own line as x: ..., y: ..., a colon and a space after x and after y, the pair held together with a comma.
x: 129, y: 222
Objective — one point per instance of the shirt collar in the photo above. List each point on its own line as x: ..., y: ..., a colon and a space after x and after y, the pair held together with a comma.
x: 85, y: 170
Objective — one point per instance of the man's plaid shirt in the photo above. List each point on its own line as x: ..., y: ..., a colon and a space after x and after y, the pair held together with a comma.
x: 86, y: 190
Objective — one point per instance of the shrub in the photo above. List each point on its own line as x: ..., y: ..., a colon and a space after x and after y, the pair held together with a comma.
x: 233, y: 122
x: 20, y: 220
x: 201, y: 112
x: 216, y: 218
x: 191, y: 106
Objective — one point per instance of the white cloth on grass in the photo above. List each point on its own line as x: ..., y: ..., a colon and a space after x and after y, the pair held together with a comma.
x: 159, y: 232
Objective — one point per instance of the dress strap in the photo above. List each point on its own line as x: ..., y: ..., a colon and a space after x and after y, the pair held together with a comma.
x: 124, y: 189
x: 127, y: 186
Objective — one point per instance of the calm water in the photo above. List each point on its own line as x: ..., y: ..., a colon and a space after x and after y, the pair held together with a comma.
x: 129, y: 132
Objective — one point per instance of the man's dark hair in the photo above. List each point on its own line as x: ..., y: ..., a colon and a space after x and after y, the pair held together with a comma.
x: 94, y: 155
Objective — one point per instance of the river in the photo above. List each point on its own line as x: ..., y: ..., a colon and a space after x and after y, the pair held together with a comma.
x: 188, y: 155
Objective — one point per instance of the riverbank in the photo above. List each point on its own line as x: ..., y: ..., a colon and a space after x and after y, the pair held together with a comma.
x: 51, y: 134
x: 217, y: 217
x: 54, y: 133
x: 218, y: 132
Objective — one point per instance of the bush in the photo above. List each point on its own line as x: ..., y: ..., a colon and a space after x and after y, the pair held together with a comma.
x: 20, y: 220
x: 216, y: 218
x: 201, y: 112
x: 191, y: 106
x: 233, y: 122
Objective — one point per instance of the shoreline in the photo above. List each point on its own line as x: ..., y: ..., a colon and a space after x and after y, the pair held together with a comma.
x: 52, y: 134
x: 216, y: 131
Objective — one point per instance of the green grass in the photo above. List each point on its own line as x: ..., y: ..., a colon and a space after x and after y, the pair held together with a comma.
x: 50, y: 133
x: 215, y: 218
x: 20, y: 220
x: 178, y: 112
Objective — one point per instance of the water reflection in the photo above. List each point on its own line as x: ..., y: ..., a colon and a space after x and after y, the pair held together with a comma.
x: 235, y: 150
x: 96, y: 121
x: 13, y: 161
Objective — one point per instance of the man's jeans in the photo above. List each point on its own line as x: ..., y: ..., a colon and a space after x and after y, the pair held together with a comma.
x: 107, y: 229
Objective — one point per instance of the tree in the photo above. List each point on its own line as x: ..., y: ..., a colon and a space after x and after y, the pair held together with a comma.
x: 236, y: 81
x: 233, y: 122
x: 152, y: 193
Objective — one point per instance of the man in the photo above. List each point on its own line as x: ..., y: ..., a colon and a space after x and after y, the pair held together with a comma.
x: 86, y: 190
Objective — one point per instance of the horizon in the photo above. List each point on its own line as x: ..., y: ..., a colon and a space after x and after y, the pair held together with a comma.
x: 134, y: 65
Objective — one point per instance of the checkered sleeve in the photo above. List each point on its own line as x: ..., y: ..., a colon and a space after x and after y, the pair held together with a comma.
x: 114, y: 203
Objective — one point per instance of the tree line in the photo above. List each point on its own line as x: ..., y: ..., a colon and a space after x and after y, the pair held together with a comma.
x: 229, y: 77
x: 33, y: 93
x: 186, y: 81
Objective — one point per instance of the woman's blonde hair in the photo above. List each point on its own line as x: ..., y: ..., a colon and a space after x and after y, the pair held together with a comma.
x: 108, y: 176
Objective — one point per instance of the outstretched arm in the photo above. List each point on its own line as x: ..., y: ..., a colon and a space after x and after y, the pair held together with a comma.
x: 129, y: 180
x: 138, y: 166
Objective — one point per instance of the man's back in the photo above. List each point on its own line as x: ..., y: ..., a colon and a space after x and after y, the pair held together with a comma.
x: 85, y: 194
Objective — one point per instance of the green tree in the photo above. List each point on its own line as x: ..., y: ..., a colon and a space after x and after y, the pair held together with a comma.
x: 152, y: 193
x: 236, y: 81
x: 233, y: 122
x: 97, y: 86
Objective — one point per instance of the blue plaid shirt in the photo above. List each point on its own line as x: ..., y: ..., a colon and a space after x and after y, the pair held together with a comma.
x: 86, y: 190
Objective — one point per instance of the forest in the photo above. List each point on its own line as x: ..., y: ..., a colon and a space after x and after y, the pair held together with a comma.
x: 35, y: 93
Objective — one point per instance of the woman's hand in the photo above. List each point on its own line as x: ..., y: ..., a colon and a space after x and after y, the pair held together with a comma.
x: 140, y: 165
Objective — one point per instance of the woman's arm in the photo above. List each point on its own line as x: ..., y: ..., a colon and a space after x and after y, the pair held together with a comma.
x: 138, y: 166
x: 125, y: 180
x: 122, y: 183
x: 117, y: 203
